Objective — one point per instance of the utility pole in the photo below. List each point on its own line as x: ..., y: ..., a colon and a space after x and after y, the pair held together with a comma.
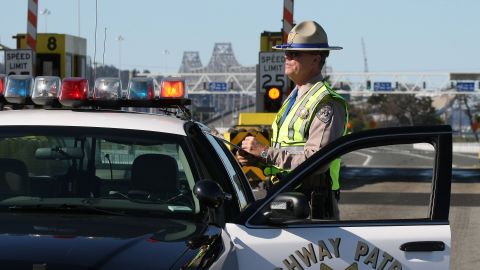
x: 46, y: 12
x: 78, y: 16
x: 165, y: 55
x: 120, y: 39
x: 365, y: 64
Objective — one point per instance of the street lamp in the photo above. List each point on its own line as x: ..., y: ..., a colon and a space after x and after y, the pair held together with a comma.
x: 120, y: 39
x: 45, y: 12
x: 78, y: 16
x: 165, y: 53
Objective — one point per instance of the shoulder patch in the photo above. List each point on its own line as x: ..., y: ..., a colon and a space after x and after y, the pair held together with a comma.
x: 325, y: 113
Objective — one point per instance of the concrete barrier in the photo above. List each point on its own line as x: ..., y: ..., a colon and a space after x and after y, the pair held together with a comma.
x: 457, y: 147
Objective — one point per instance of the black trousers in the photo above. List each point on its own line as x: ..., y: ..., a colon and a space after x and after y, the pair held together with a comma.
x: 323, y: 200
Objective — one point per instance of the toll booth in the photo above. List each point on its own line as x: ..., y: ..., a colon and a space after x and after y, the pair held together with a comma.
x: 58, y: 54
x: 270, y: 39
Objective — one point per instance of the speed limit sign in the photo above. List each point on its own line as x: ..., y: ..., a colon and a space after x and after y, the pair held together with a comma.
x: 272, y: 70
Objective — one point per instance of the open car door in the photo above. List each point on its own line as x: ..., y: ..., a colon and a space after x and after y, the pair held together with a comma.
x: 394, y: 207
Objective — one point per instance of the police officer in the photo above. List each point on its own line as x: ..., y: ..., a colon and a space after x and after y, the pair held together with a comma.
x: 312, y: 116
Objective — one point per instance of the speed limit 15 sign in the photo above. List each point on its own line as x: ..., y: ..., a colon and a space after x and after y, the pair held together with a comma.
x: 272, y: 70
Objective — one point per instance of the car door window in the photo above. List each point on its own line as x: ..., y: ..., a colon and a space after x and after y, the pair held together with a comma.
x: 383, y: 183
x: 386, y: 183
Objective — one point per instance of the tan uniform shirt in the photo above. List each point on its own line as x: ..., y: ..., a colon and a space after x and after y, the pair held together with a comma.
x: 320, y: 133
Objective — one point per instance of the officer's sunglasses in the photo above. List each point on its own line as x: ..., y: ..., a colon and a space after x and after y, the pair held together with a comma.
x: 297, y: 54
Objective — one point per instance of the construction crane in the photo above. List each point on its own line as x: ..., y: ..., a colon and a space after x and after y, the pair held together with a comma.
x: 365, y: 64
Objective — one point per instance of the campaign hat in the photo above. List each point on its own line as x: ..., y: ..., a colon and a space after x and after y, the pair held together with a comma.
x: 307, y: 36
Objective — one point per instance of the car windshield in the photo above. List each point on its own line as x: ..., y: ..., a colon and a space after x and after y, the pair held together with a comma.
x: 105, y: 170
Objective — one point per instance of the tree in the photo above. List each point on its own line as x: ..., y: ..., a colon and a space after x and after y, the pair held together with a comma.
x: 107, y: 71
x: 472, y: 120
x: 404, y: 110
x: 358, y: 118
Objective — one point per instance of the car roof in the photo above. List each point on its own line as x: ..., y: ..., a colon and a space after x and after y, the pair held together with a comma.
x: 93, y: 118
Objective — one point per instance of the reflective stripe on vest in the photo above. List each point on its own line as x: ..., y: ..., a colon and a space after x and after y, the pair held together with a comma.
x: 291, y: 135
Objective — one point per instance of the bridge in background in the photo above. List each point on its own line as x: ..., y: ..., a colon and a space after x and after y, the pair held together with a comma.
x: 238, y: 85
x: 354, y: 83
x: 224, y: 68
x: 240, y: 89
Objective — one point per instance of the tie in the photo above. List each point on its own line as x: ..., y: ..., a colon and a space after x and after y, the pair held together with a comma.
x: 290, y: 104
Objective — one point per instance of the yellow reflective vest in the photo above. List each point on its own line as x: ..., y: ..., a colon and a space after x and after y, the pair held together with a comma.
x: 292, y: 134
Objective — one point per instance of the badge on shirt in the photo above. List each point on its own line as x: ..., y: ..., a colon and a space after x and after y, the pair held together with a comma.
x: 325, y: 113
x: 303, y: 114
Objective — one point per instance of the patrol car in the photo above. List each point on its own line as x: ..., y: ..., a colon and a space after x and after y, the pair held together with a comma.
x: 87, y: 182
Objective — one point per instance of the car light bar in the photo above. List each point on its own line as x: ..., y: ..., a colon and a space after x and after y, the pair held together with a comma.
x: 18, y: 88
x: 107, y: 92
x: 107, y: 89
x: 74, y: 92
x: 46, y: 90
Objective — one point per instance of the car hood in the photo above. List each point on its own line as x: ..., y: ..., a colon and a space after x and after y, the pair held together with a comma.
x: 44, y: 241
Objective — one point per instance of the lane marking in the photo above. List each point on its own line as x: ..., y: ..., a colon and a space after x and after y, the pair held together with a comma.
x: 367, y: 160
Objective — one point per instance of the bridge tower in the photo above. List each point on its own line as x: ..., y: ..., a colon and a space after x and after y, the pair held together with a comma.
x: 191, y: 62
x: 223, y: 59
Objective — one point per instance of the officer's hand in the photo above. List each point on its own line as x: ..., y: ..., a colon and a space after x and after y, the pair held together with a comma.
x: 244, y: 158
x: 247, y: 159
x: 252, y: 146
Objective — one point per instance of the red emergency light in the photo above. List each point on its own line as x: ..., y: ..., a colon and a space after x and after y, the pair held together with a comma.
x: 2, y: 84
x: 151, y: 94
x: 74, y: 92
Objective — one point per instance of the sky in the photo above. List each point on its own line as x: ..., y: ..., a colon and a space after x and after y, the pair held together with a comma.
x: 399, y: 36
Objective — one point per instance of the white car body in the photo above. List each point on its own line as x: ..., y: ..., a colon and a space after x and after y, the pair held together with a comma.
x: 104, y: 119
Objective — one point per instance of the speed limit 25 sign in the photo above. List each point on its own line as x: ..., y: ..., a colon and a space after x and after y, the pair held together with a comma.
x: 272, y: 70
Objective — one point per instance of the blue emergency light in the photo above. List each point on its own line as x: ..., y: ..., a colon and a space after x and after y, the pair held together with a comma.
x: 19, y: 88
x: 141, y: 89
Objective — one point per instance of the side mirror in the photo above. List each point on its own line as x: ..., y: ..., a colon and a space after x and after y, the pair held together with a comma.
x: 210, y: 193
x: 288, y: 206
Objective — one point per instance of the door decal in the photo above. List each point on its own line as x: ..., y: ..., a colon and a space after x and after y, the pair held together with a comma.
x: 370, y: 255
